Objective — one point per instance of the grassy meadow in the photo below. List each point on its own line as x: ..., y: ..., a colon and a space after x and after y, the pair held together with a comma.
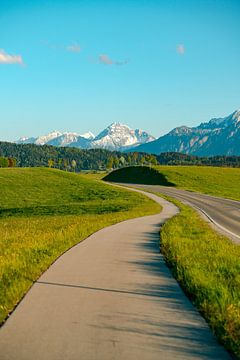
x: 207, y: 266
x: 217, y: 181
x: 43, y: 213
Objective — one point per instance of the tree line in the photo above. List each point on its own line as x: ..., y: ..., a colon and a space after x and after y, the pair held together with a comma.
x: 174, y: 158
x: 7, y: 162
x: 72, y: 159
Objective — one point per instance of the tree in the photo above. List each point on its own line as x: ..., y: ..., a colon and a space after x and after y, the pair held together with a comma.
x: 135, y: 157
x: 3, y: 162
x: 122, y: 161
x: 129, y: 160
x: 142, y: 160
x: 74, y: 164
x: 59, y: 163
x: 12, y: 162
x: 110, y: 164
x: 65, y: 164
x: 115, y: 162
x: 50, y: 163
x: 153, y: 160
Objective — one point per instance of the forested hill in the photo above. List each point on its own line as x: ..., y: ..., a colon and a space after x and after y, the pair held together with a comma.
x: 175, y: 158
x: 73, y: 159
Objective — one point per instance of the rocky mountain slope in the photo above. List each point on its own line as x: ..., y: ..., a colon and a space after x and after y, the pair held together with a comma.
x: 219, y: 136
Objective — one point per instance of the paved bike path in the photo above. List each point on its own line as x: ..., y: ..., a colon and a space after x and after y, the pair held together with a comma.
x: 110, y: 297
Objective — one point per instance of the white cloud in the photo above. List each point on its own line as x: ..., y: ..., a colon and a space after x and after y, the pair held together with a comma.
x: 10, y: 59
x: 73, y: 48
x: 181, y: 49
x: 105, y: 60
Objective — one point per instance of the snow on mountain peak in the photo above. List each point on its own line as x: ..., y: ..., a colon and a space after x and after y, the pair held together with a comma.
x: 88, y: 135
x: 41, y: 140
x: 116, y: 136
x: 120, y: 136
x: 23, y: 138
x: 236, y: 115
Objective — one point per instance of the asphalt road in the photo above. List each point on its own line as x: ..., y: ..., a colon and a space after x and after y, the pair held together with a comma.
x: 224, y: 214
x: 110, y: 297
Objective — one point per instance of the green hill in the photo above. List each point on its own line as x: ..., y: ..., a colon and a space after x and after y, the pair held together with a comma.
x: 216, y: 181
x: 42, y: 191
x: 43, y: 213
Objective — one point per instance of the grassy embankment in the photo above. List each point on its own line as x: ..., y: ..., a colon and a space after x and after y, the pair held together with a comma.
x: 205, y: 263
x: 45, y: 212
x: 223, y: 182
x: 207, y: 266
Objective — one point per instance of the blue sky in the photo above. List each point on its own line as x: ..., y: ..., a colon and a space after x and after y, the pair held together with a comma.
x: 81, y: 65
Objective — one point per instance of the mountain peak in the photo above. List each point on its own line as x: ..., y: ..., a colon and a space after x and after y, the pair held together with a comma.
x: 41, y: 140
x: 180, y: 130
x: 120, y: 136
x: 236, y: 115
x: 223, y: 122
x: 219, y: 136
x: 88, y: 135
x: 115, y: 125
x: 116, y: 136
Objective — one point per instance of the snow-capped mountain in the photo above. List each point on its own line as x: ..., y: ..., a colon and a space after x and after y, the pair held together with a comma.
x: 26, y: 140
x: 57, y: 138
x: 120, y: 136
x: 115, y: 137
x: 88, y: 135
x: 219, y: 136
x: 41, y: 140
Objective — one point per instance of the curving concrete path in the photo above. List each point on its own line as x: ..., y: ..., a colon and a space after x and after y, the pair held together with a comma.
x: 110, y: 297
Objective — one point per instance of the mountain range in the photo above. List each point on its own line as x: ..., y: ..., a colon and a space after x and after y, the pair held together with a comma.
x: 219, y: 136
x: 116, y: 136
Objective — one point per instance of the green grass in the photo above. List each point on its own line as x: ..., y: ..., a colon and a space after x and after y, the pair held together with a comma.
x: 207, y: 266
x: 96, y: 175
x: 223, y: 182
x: 53, y: 192
x: 45, y: 212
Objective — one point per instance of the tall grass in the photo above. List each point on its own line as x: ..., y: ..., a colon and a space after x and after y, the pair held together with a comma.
x: 207, y: 265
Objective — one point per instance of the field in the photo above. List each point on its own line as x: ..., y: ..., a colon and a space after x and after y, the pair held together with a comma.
x: 207, y: 266
x: 43, y: 213
x: 223, y: 182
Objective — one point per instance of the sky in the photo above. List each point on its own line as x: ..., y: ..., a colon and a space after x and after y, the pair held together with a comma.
x: 81, y: 65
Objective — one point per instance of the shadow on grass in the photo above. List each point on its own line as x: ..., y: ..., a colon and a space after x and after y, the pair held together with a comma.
x: 138, y: 175
x: 64, y: 210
